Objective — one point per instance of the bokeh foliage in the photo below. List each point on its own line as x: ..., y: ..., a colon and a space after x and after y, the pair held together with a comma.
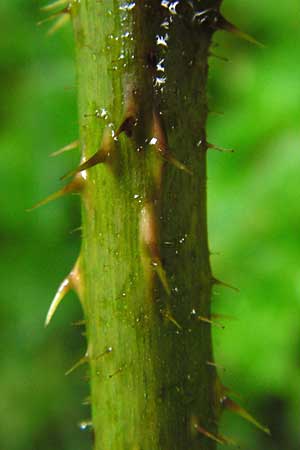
x: 254, y: 217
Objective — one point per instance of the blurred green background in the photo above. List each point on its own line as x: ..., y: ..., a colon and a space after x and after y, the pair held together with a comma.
x: 254, y: 218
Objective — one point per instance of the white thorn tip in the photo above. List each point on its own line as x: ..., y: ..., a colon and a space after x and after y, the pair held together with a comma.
x: 63, y: 289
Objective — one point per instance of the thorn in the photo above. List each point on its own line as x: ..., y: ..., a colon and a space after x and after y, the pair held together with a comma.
x: 222, y: 283
x: 54, y: 5
x: 79, y: 323
x: 72, y: 281
x: 131, y: 112
x: 87, y: 401
x: 63, y: 289
x: 98, y: 158
x: 160, y: 141
x: 219, y: 149
x: 116, y: 372
x: 226, y: 391
x: 211, y: 322
x: 217, y: 113
x: 75, y: 230
x: 158, y: 267
x: 168, y: 316
x: 150, y: 242
x: 172, y: 160
x: 224, y: 24
x: 62, y: 17
x: 74, y: 187
x: 61, y: 21
x: 214, y: 55
x: 52, y: 17
x: 230, y: 405
x: 213, y: 364
x: 127, y: 126
x: 81, y: 362
x: 108, y: 350
x: 209, y: 435
x: 223, y: 316
x: 101, y: 156
x: 67, y: 148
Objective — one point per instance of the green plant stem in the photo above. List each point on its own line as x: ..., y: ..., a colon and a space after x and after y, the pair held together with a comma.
x: 145, y: 258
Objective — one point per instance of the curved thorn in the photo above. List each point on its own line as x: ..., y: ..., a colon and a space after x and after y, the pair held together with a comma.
x: 63, y: 289
x: 232, y: 406
x: 149, y: 237
x: 127, y: 126
x: 208, y: 434
x: 75, y: 186
x: 214, y: 55
x: 160, y: 141
x: 97, y: 158
x: 213, y: 364
x: 67, y: 148
x: 219, y: 149
x: 72, y: 281
x: 222, y: 283
x: 79, y: 363
x: 211, y: 322
x: 61, y: 21
x: 225, y: 25
x: 102, y: 155
x: 48, y: 199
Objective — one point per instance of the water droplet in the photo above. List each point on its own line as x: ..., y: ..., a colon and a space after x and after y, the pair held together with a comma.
x: 85, y: 425
x: 171, y: 6
x: 127, y: 6
x: 153, y: 141
x: 160, y: 81
x: 160, y: 66
x: 162, y: 40
x: 165, y: 24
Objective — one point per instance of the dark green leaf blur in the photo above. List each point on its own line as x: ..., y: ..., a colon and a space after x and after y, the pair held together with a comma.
x: 254, y: 227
